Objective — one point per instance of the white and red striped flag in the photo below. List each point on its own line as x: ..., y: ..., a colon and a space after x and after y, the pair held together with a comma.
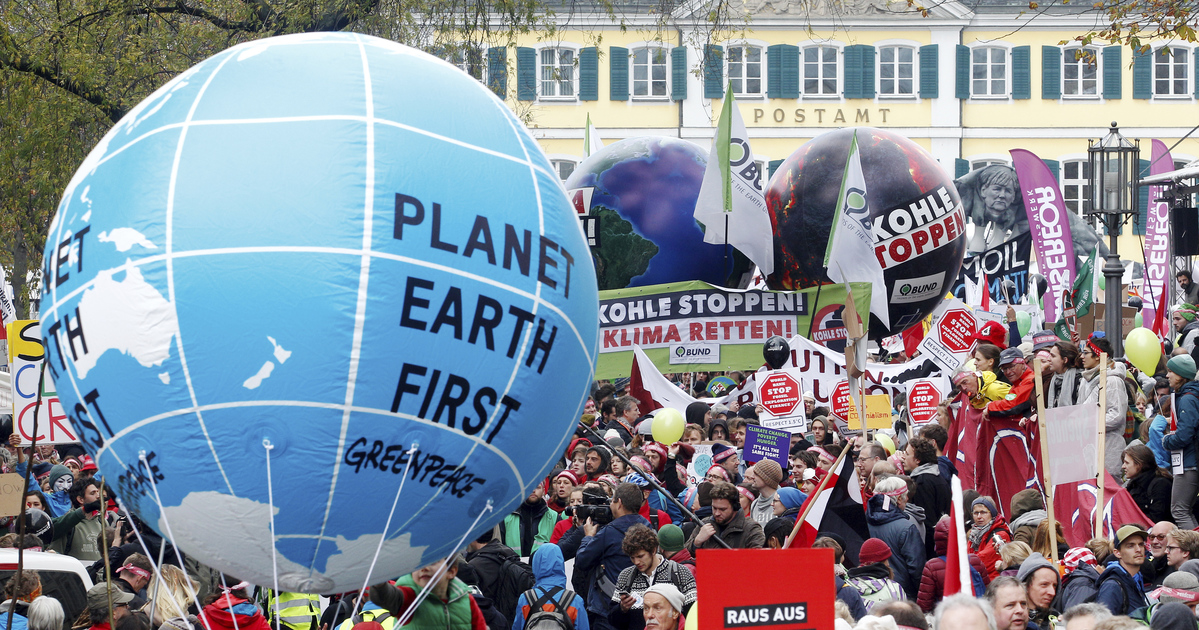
x: 957, y: 559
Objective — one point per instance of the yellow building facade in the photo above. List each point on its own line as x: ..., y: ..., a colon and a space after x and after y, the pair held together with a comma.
x: 967, y: 82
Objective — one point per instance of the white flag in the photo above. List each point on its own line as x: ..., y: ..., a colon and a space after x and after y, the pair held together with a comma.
x: 591, y: 140
x: 850, y: 254
x: 8, y: 310
x: 731, y: 194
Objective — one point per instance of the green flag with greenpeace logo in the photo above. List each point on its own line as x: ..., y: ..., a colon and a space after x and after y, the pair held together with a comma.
x: 1084, y: 285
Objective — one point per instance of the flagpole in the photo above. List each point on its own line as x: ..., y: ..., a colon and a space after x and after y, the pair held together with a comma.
x: 1044, y: 432
x: 815, y: 308
x: 812, y: 499
x: 1099, y: 498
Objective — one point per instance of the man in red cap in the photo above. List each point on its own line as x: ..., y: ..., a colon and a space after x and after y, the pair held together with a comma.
x: 992, y: 332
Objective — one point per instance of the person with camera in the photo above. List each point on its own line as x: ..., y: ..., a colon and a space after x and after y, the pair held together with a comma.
x: 601, y: 549
x: 728, y: 522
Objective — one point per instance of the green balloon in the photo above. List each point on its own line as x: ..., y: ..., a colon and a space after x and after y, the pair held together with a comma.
x: 1023, y: 322
x: 1138, y: 321
x: 1103, y: 283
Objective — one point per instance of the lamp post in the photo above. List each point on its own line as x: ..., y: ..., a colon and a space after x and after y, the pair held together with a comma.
x: 1114, y: 162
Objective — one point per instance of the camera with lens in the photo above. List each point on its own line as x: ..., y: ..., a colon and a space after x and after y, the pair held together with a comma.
x: 595, y: 507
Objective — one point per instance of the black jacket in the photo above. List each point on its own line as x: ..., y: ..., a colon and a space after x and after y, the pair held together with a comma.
x: 933, y: 495
x: 487, y: 562
x: 1152, y: 494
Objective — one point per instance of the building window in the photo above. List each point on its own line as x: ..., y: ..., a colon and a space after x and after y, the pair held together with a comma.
x: 988, y: 72
x: 649, y: 73
x: 1170, y: 76
x: 1076, y: 187
x: 469, y: 58
x: 977, y: 164
x: 745, y: 70
x: 820, y: 71
x: 564, y: 168
x: 896, y: 71
x: 1080, y: 72
x: 557, y: 73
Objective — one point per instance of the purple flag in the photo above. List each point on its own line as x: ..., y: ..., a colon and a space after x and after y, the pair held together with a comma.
x: 1157, y: 235
x: 1049, y: 221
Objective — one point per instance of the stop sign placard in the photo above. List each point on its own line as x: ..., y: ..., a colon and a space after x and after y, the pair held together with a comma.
x: 781, y: 394
x: 923, y: 398
x: 841, y: 406
x: 956, y: 330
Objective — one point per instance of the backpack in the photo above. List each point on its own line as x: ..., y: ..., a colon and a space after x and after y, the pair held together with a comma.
x: 515, y: 577
x: 875, y: 591
x: 543, y: 613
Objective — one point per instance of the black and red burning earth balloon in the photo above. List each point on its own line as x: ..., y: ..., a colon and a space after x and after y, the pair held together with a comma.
x: 918, y: 221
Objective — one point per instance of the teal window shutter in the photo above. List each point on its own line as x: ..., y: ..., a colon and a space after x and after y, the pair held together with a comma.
x: 678, y: 73
x: 930, y: 79
x: 713, y: 71
x: 526, y: 74
x: 773, y: 166
x: 497, y: 71
x: 589, y: 74
x: 1021, y: 73
x: 853, y: 72
x: 1143, y: 201
x: 963, y: 73
x: 774, y: 71
x: 960, y: 167
x: 1055, y: 168
x: 867, y: 71
x: 1112, y: 87
x: 1051, y: 73
x: 789, y: 71
x: 1196, y: 79
x: 1142, y: 78
x: 618, y: 73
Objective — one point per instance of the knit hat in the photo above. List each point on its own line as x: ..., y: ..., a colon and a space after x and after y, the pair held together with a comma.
x: 873, y: 551
x: 791, y: 498
x: 720, y: 452
x: 569, y: 474
x: 671, y: 539
x: 57, y: 472
x: 1182, y: 365
x: 769, y: 472
x: 1187, y: 311
x: 987, y: 503
x: 993, y: 333
x: 86, y: 463
x: 660, y: 450
x: 1179, y: 586
x: 41, y: 469
x: 670, y: 592
x: 1076, y: 556
x: 724, y: 474
x: 1031, y: 564
x: 1043, y: 340
x: 642, y: 463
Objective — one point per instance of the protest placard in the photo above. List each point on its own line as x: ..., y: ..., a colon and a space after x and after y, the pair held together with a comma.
x: 758, y: 598
x: 1073, y: 436
x: 25, y: 356
x: 766, y: 443
x: 12, y: 493
x: 699, y: 464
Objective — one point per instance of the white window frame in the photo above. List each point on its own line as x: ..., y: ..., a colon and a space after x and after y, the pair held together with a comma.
x: 761, y: 46
x: 557, y: 158
x: 839, y: 66
x: 1075, y: 185
x: 666, y: 63
x: 460, y: 61
x: 1187, y: 66
x: 574, y: 69
x: 987, y: 159
x: 1007, y: 72
x: 878, y: 69
x: 1069, y: 55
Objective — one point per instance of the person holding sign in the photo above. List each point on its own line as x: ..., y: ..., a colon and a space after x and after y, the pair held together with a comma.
x: 1180, y: 371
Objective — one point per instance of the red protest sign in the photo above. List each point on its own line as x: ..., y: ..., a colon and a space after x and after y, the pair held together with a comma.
x: 757, y: 598
x: 780, y: 394
x: 957, y: 330
x: 923, y: 398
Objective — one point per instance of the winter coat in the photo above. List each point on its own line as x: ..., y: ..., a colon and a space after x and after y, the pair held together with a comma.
x: 739, y: 533
x: 946, y: 468
x: 1019, y: 400
x: 1151, y: 491
x: 990, y: 389
x: 1119, y: 591
x: 932, y: 494
x: 529, y: 527
x: 1157, y: 433
x: 487, y: 561
x: 1114, y: 418
x: 986, y: 550
x: 893, y: 527
x: 850, y: 596
x: 932, y: 579
x: 1028, y: 510
x: 875, y: 587
x: 549, y: 571
x: 1186, y: 404
x: 233, y: 613
x: 603, y: 550
x: 1078, y: 587
x: 1188, y: 336
x: 1064, y: 389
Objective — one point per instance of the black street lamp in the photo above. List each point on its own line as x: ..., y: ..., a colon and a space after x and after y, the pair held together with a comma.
x: 1115, y: 174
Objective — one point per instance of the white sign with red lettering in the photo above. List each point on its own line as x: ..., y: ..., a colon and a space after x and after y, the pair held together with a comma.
x: 25, y: 356
x: 781, y: 394
x: 923, y: 397
x: 949, y: 341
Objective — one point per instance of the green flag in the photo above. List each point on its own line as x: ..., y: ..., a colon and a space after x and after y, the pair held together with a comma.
x: 1084, y: 285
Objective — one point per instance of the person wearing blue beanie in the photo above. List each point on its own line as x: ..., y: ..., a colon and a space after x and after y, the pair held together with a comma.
x: 788, y: 502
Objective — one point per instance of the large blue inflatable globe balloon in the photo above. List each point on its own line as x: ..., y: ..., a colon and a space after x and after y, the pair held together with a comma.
x: 642, y: 192
x: 306, y: 273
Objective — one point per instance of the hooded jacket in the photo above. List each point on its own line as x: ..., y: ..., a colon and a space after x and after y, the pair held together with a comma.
x: 696, y: 412
x: 1077, y: 587
x: 932, y: 580
x: 221, y: 614
x: 549, y: 571
x: 718, y: 422
x: 893, y: 527
x: 986, y: 548
x: 1119, y: 591
x: 990, y: 388
x: 605, y: 463
x: 739, y: 533
x: 932, y: 494
x: 1028, y: 510
x: 1117, y: 407
x: 1151, y: 491
x: 1188, y: 336
x: 1187, y: 405
x: 488, y: 562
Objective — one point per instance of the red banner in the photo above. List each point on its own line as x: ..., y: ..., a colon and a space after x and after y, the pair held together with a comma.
x: 757, y: 598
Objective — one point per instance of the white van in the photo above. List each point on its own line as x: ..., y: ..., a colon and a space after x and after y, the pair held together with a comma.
x: 63, y: 577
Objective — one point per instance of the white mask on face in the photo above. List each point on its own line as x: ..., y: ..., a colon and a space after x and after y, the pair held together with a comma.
x: 64, y: 483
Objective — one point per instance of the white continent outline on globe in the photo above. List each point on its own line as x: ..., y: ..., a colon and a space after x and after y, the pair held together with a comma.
x: 125, y: 238
x: 129, y: 316
x: 239, y: 538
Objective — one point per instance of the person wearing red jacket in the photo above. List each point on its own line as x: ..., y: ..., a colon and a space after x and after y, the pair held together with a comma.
x: 988, y: 533
x: 932, y: 581
x: 1017, y: 404
x: 232, y: 610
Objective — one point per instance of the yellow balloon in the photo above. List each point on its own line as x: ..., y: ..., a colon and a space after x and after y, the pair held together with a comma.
x: 693, y: 618
x: 668, y: 426
x: 1143, y: 349
x: 886, y: 441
